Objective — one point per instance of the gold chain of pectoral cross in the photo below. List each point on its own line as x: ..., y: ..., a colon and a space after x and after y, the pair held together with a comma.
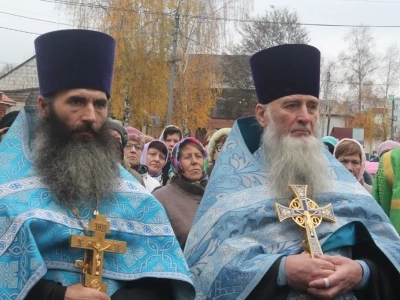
x: 95, y: 245
x: 75, y: 211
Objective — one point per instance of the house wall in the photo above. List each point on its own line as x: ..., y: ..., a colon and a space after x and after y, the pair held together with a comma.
x: 335, y: 121
x: 220, y: 123
x: 3, y: 110
x: 22, y: 77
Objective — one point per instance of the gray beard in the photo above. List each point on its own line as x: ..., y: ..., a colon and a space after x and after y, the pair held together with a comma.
x: 76, y: 171
x: 295, y: 161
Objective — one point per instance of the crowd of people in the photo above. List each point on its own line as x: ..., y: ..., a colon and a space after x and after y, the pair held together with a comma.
x: 200, y: 219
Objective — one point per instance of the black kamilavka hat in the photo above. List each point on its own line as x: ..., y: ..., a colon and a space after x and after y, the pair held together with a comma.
x: 286, y: 70
x: 76, y: 58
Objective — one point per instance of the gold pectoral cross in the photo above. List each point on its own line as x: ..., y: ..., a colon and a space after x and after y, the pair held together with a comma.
x: 92, y: 264
x: 306, y: 213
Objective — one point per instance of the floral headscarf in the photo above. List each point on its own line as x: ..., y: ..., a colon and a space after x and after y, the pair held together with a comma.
x: 176, y: 167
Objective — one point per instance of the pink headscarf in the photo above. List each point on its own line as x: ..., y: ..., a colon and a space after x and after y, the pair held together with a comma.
x: 133, y: 131
x: 387, y: 146
x: 363, y: 161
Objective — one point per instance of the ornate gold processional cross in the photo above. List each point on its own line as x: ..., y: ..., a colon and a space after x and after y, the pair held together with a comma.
x: 306, y: 213
x: 92, y: 264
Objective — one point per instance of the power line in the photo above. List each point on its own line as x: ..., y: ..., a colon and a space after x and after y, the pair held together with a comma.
x: 107, y: 7
x: 200, y: 44
x: 218, y: 18
x: 40, y: 20
x: 25, y: 11
x: 13, y: 29
x: 53, y: 22
x: 356, y: 83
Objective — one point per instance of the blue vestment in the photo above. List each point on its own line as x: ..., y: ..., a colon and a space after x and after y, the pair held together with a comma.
x: 35, y: 230
x: 236, y: 236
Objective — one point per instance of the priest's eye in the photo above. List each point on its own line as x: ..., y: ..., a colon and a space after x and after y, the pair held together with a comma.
x: 75, y: 101
x: 101, y: 104
x: 292, y: 105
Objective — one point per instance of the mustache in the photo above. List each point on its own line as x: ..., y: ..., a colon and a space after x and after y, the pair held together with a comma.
x: 85, y: 127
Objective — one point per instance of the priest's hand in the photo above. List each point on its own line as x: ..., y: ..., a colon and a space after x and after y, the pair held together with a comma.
x: 78, y: 291
x: 348, y: 273
x: 301, y: 270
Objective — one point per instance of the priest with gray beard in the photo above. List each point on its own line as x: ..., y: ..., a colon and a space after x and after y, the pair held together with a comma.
x: 281, y: 218
x: 61, y: 181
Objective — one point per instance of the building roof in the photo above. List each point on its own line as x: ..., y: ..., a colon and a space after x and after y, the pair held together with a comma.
x: 4, y: 99
x: 27, y: 96
x: 17, y: 67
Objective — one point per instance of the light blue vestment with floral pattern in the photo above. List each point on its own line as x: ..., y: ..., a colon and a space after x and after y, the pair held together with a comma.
x: 236, y: 236
x: 35, y: 230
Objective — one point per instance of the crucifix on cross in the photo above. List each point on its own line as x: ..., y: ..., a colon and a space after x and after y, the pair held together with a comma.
x: 306, y: 213
x: 92, y: 264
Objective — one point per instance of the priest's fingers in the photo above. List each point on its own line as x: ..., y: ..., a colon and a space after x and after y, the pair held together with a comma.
x: 347, y: 270
x: 325, y: 288
x: 300, y: 270
x: 331, y: 292
x: 347, y: 275
x: 78, y: 291
x: 323, y: 264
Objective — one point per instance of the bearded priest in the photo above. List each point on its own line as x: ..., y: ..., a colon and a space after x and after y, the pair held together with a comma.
x: 281, y: 218
x: 73, y: 223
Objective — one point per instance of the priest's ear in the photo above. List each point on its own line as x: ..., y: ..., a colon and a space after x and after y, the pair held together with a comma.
x: 261, y: 114
x: 44, y: 105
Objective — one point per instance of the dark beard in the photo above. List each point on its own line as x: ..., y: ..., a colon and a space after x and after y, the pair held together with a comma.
x: 76, y: 170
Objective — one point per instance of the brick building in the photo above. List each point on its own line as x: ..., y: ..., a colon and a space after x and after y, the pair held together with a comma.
x: 5, y: 104
x: 21, y: 85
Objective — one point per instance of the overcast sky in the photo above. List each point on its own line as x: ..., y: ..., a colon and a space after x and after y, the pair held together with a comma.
x: 15, y: 46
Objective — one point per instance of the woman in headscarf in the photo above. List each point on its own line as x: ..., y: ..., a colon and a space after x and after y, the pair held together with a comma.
x: 215, y: 146
x: 154, y: 156
x: 351, y: 155
x: 182, y: 196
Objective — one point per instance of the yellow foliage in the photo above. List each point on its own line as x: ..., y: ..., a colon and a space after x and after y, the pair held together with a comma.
x: 196, y: 92
x: 143, y: 31
x: 365, y: 120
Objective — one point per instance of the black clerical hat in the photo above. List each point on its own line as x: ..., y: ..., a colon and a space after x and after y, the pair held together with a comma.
x: 286, y: 70
x: 76, y: 58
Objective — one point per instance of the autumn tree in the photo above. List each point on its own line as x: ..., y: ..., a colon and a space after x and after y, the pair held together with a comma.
x: 143, y: 31
x: 360, y: 61
x: 278, y: 26
x: 196, y: 93
x: 365, y: 120
x: 374, y: 116
x: 390, y: 68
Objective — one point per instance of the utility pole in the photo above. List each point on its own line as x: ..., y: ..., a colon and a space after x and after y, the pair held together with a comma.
x: 326, y: 95
x: 391, y: 121
x: 172, y: 70
x: 326, y: 101
x: 392, y: 97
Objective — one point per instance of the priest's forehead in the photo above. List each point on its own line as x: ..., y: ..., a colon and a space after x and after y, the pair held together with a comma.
x: 299, y: 97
